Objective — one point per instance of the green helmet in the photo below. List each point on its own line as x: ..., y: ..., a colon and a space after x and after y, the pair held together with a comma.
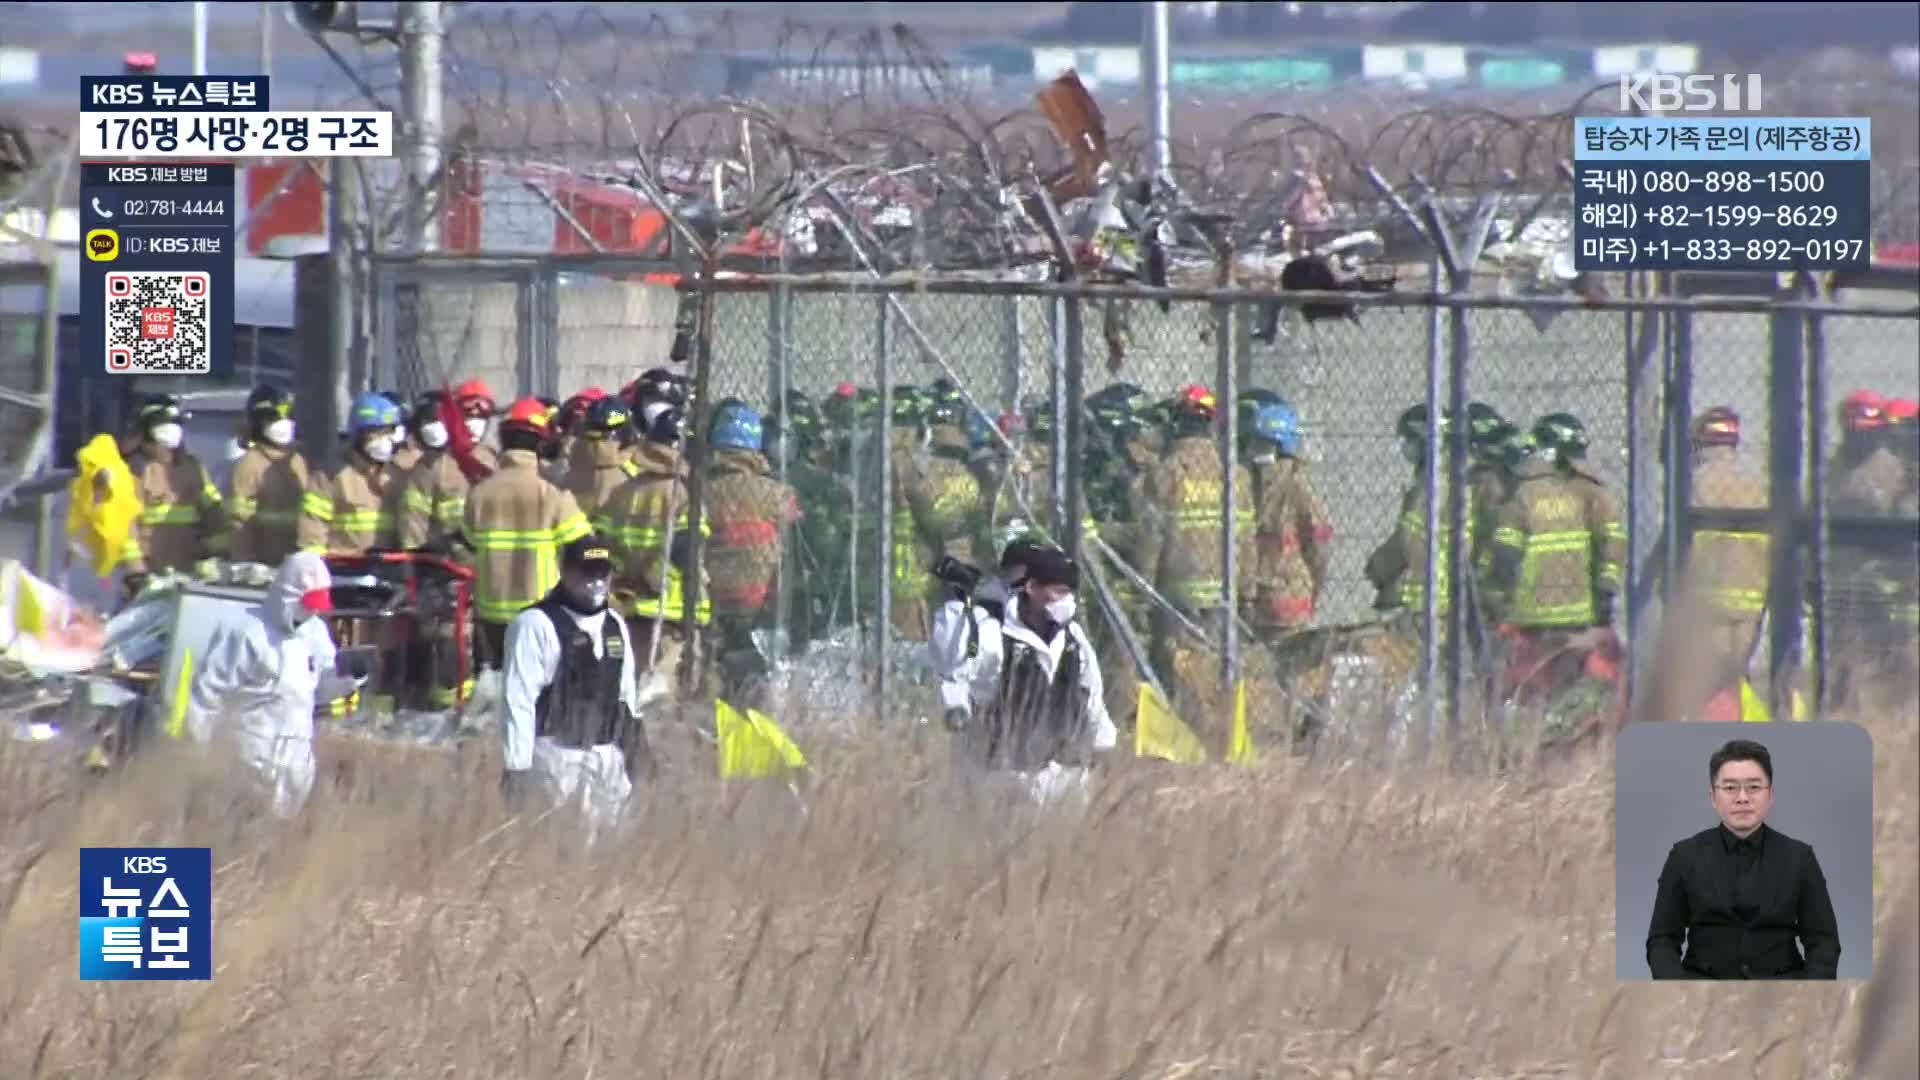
x: 1524, y: 447
x: 1562, y: 434
x: 1412, y: 425
x: 910, y: 405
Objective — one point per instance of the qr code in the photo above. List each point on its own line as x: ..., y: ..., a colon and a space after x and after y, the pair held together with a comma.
x: 157, y: 322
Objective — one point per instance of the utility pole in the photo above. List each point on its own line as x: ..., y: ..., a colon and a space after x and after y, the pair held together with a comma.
x: 1155, y: 49
x: 421, y: 32
x: 199, y: 37
x: 343, y: 215
x: 266, y: 38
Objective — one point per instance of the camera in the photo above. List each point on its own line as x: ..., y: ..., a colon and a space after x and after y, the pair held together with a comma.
x: 958, y: 575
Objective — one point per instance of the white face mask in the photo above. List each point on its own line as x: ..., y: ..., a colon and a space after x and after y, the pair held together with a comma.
x: 168, y: 436
x: 280, y: 432
x: 380, y: 449
x: 1266, y: 457
x: 1062, y: 610
x: 477, y: 427
x: 235, y: 451
x: 433, y: 435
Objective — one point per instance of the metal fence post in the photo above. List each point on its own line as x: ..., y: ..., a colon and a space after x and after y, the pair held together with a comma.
x: 1460, y: 595
x: 883, y: 619
x: 1070, y: 428
x: 1679, y: 450
x: 1228, y: 377
x: 779, y: 381
x: 1057, y: 457
x: 1430, y: 609
x: 1787, y: 405
x: 1817, y: 492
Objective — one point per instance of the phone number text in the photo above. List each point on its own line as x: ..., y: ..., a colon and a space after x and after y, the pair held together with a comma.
x: 1616, y: 180
x: 270, y: 134
x: 1713, y: 216
x: 1811, y: 254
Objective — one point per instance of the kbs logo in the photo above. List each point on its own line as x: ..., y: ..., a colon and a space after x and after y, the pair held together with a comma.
x: 1690, y: 93
x: 146, y: 913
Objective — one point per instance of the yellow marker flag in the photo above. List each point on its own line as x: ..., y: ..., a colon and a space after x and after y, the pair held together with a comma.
x: 1157, y: 733
x: 1753, y: 707
x: 1240, y: 744
x: 182, y: 688
x: 28, y: 616
x: 752, y: 744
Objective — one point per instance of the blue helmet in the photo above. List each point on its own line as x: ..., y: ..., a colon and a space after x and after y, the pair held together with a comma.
x: 1280, y: 425
x: 737, y: 427
x: 371, y: 412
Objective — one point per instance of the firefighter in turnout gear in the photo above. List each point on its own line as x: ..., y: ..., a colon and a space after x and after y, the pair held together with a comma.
x: 936, y: 511
x: 269, y: 482
x: 1397, y: 568
x: 645, y: 519
x: 1565, y: 438
x: 750, y: 511
x: 406, y: 452
x: 571, y: 724
x: 1294, y: 537
x: 357, y: 508
x: 1869, y: 477
x: 1727, y: 568
x: 432, y: 507
x: 182, y: 517
x: 1179, y: 548
x: 571, y: 422
x: 602, y: 457
x: 1034, y: 721
x: 516, y: 522
x: 1540, y: 574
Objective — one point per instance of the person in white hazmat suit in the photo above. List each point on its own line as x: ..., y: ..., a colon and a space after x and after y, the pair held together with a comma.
x: 1023, y: 690
x: 571, y: 726
x: 264, y: 674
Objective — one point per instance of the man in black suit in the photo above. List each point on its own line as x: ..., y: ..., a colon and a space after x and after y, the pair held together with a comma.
x: 1740, y: 893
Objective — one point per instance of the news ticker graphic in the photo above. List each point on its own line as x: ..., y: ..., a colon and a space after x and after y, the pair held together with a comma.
x: 196, y: 116
x: 146, y: 913
x: 1766, y: 194
x: 156, y: 283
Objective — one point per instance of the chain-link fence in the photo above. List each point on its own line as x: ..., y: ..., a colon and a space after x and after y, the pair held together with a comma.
x: 1635, y: 370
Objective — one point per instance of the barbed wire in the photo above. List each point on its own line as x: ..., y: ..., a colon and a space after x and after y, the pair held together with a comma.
x: 737, y: 117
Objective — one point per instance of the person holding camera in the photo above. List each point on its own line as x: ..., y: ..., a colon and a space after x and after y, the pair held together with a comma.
x: 1021, y: 684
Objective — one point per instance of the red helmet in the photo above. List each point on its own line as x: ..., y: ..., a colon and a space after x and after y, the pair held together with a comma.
x: 530, y: 414
x: 1863, y: 410
x: 1012, y: 423
x: 1197, y: 398
x: 475, y: 398
x: 1903, y: 411
x: 1718, y: 426
x: 574, y: 412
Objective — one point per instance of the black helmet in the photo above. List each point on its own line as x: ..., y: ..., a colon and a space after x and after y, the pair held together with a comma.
x: 1563, y: 434
x: 269, y: 400
x: 157, y: 409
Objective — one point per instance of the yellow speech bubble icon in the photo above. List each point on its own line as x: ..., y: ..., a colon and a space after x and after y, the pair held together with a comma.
x: 103, y: 245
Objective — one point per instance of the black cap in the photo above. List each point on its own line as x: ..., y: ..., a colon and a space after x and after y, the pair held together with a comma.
x: 1019, y: 552
x: 1051, y: 566
x: 589, y: 553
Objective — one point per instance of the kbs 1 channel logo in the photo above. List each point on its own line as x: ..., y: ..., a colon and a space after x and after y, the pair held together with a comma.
x: 146, y: 913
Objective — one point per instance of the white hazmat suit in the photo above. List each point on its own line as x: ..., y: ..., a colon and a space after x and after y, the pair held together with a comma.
x: 264, y: 675
x: 968, y: 648
x: 595, y: 775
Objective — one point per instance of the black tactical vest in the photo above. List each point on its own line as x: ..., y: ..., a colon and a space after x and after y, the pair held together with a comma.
x: 1035, y: 719
x: 581, y: 707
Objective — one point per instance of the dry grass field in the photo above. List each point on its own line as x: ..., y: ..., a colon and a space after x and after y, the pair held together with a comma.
x: 1284, y: 921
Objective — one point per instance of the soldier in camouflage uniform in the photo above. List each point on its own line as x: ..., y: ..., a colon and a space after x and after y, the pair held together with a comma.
x: 1294, y: 534
x: 1180, y: 552
x: 815, y: 558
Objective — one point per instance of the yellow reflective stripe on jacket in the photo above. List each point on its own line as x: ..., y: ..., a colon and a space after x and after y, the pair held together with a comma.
x: 318, y: 505
x: 244, y: 505
x: 1714, y: 548
x: 170, y: 514
x: 1413, y: 581
x: 418, y: 499
x: 1524, y: 606
x: 1611, y: 573
x: 672, y: 607
x: 571, y: 529
x: 906, y: 550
